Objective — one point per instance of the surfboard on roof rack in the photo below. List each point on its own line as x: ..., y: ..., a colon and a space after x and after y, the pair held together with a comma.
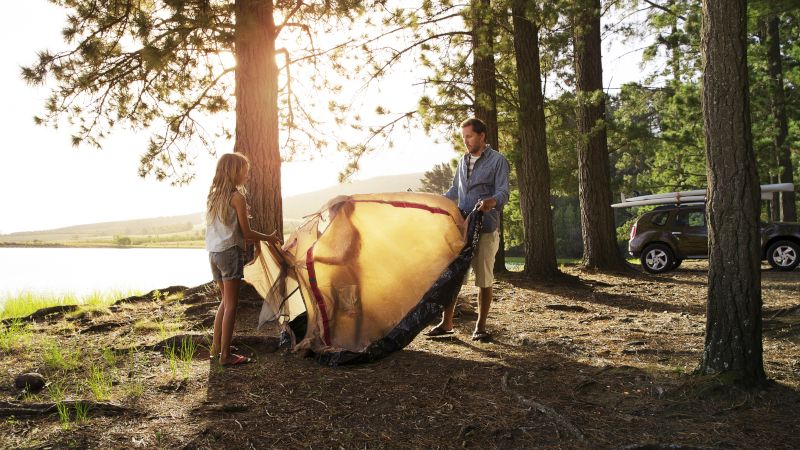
x: 693, y: 196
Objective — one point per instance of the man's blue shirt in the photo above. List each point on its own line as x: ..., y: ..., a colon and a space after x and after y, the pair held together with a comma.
x: 489, y: 178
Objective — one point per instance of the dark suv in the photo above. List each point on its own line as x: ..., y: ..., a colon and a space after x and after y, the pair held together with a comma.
x: 664, y: 237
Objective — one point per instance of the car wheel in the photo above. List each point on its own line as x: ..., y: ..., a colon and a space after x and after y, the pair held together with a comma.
x: 677, y: 263
x: 657, y: 258
x: 783, y: 255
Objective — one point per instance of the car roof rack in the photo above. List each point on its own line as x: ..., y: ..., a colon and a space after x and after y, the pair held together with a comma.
x: 692, y: 197
x: 677, y: 206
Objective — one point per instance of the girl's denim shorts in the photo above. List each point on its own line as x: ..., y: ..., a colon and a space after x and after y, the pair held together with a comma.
x: 227, y: 264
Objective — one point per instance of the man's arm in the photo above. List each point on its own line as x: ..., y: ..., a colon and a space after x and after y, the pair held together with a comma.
x: 452, y: 193
x: 501, y: 190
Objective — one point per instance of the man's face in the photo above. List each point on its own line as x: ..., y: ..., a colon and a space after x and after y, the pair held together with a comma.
x: 475, y: 142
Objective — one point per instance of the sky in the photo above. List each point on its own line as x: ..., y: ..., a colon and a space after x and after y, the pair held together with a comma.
x: 47, y: 183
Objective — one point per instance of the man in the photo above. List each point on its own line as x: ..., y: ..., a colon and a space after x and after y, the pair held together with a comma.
x: 481, y: 181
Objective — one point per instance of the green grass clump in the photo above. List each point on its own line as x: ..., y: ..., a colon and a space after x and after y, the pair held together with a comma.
x: 81, y: 412
x: 56, y: 392
x: 12, y: 335
x: 57, y: 358
x: 162, y: 327
x: 99, y: 383
x: 25, y: 303
x: 134, y: 387
x: 110, y: 357
x: 181, y: 356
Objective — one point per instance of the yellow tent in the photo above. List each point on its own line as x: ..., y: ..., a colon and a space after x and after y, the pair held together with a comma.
x: 366, y: 273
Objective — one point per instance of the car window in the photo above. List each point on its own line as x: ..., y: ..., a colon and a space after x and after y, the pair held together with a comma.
x: 659, y: 219
x: 690, y: 219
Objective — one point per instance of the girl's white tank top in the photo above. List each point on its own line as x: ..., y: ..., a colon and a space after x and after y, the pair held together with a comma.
x: 220, y: 237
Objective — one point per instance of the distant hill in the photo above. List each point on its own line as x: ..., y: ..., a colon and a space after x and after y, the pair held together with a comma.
x: 301, y: 205
x: 139, y: 227
x: 294, y: 208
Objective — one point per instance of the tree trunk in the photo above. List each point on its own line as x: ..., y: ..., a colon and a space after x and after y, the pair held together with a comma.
x: 485, y: 81
x: 533, y: 169
x: 257, y: 111
x: 777, y: 97
x: 483, y: 68
x: 597, y: 219
x: 733, y: 317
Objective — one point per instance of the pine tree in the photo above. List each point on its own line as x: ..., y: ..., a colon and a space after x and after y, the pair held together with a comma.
x: 160, y: 65
x: 733, y: 319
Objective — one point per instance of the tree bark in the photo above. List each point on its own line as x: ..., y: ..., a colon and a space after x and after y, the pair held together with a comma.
x: 257, y: 110
x: 788, y: 212
x: 597, y: 219
x: 533, y: 169
x: 733, y: 319
x: 483, y: 68
x: 485, y: 83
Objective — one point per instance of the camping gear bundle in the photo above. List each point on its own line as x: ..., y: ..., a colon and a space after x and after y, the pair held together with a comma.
x: 365, y: 274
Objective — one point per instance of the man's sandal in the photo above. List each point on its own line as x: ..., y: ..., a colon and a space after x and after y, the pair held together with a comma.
x: 481, y: 336
x: 439, y: 331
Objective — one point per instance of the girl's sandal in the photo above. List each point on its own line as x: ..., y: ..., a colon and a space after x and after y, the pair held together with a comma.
x: 233, y: 348
x: 238, y: 360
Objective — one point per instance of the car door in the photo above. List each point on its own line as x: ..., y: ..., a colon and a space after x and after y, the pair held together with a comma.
x: 690, y: 233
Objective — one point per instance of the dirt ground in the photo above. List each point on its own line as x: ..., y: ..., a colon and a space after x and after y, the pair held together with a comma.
x: 604, y: 363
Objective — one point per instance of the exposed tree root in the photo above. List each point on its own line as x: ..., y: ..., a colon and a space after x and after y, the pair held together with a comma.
x: 176, y: 341
x: 56, y: 312
x: 557, y: 418
x: 49, y: 313
x: 36, y: 409
x: 204, y: 324
x: 200, y: 309
x: 104, y: 326
x: 197, y: 297
x: 203, y: 289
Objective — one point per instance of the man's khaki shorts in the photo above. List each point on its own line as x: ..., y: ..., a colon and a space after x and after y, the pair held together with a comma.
x: 483, y: 259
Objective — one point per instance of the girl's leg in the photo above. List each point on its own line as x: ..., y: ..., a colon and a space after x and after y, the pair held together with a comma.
x: 230, y: 297
x: 216, y: 339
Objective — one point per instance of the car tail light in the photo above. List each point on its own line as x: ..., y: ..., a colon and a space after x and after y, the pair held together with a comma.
x: 633, y: 231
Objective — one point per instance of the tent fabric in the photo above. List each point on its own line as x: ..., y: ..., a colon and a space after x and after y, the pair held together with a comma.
x: 365, y: 273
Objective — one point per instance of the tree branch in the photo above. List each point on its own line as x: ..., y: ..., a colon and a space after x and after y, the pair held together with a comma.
x: 665, y: 9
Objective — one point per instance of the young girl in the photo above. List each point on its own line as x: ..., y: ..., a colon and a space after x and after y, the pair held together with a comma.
x: 228, y: 227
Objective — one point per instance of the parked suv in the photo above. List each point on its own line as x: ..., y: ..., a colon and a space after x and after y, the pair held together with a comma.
x: 664, y: 237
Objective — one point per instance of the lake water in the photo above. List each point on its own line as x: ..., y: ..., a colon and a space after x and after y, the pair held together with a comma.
x: 81, y: 271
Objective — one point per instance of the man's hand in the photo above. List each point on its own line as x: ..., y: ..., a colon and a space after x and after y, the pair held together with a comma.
x: 486, y: 205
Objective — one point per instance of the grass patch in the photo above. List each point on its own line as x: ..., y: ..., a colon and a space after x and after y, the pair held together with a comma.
x: 12, y: 335
x: 81, y: 412
x: 25, y: 303
x: 163, y: 328
x: 56, y: 392
x: 180, y: 357
x: 63, y: 414
x: 134, y: 388
x: 99, y: 383
x: 110, y: 357
x: 58, y: 358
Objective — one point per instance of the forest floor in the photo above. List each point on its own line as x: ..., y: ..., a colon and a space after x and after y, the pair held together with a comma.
x: 604, y: 362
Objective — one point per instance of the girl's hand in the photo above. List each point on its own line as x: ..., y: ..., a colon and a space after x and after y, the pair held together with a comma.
x: 273, y: 238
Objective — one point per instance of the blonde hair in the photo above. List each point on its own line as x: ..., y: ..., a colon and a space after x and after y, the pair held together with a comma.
x: 229, y: 168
